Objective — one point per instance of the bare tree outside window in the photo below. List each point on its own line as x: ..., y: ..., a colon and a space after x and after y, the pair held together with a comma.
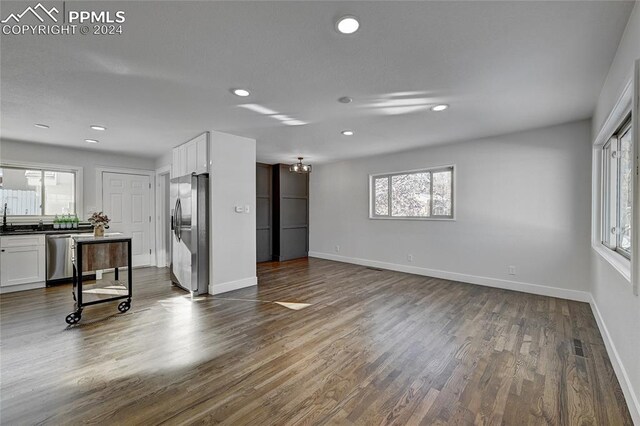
x: 418, y: 194
x: 625, y: 202
x: 382, y: 196
x: 442, y: 193
x: 410, y: 195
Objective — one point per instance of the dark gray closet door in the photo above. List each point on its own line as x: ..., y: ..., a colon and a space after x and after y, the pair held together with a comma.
x: 290, y: 213
x: 264, y: 191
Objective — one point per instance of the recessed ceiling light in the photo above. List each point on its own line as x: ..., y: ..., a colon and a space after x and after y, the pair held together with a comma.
x: 347, y: 25
x: 91, y: 141
x: 42, y: 126
x: 240, y: 92
x: 441, y: 107
x: 345, y: 100
x: 347, y: 132
x: 96, y: 127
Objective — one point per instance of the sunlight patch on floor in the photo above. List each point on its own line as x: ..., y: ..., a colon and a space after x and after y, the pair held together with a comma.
x: 289, y: 305
x: 294, y: 306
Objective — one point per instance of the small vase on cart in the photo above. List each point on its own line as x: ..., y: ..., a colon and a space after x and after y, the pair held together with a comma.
x: 98, y: 231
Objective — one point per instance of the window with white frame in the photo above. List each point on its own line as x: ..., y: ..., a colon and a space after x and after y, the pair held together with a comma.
x: 37, y: 192
x: 617, y: 175
x: 419, y: 194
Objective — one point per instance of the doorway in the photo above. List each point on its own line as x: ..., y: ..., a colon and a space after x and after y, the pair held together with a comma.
x: 163, y: 216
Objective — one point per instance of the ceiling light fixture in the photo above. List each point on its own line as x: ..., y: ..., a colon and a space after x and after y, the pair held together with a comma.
x: 345, y: 100
x: 42, y: 126
x: 347, y: 132
x: 347, y: 24
x: 438, y: 108
x: 299, y: 167
x: 96, y: 127
x: 91, y: 141
x: 241, y: 92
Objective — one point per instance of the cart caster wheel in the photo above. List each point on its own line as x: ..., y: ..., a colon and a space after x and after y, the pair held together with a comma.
x: 124, y: 306
x: 73, y: 318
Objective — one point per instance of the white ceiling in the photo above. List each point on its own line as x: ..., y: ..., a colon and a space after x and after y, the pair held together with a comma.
x: 502, y: 66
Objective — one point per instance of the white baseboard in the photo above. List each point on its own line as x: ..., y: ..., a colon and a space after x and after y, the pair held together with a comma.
x: 232, y: 285
x: 580, y: 296
x: 543, y: 290
x: 621, y: 373
x: 22, y: 287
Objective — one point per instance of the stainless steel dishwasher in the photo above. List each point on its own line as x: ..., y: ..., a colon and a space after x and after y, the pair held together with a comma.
x: 59, y: 258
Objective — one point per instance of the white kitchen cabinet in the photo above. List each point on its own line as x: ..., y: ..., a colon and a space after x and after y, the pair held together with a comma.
x: 202, y: 165
x: 22, y: 262
x: 191, y: 152
x: 191, y: 157
x: 177, y: 168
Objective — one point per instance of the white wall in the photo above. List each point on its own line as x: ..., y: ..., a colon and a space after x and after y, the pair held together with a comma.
x: 164, y: 160
x: 620, y: 70
x: 618, y: 308
x: 521, y: 199
x: 88, y: 159
x: 233, y: 235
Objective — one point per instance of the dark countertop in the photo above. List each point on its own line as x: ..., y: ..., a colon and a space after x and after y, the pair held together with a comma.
x: 45, y: 232
x: 107, y: 238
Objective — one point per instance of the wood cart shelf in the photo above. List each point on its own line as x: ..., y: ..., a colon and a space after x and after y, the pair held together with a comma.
x: 94, y: 254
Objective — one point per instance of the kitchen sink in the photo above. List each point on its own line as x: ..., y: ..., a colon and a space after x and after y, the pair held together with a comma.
x: 19, y: 231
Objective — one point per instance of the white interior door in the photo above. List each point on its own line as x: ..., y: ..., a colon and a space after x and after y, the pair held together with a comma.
x: 125, y: 199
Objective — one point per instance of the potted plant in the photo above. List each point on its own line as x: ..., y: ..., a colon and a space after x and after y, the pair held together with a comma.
x: 100, y: 222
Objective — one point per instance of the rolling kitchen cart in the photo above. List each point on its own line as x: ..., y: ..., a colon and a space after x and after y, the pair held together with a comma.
x: 98, y: 253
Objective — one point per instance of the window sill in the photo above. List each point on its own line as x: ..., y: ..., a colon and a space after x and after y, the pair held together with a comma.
x: 30, y: 220
x: 437, y: 219
x: 619, y: 262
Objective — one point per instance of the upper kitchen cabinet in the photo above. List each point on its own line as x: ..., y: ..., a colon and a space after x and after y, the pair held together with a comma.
x: 191, y: 157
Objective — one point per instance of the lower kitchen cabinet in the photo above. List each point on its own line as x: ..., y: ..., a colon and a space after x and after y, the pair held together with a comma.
x: 22, y: 262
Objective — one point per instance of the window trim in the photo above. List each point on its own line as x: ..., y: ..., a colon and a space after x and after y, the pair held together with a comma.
x: 433, y: 169
x: 612, y: 124
x: 78, y: 170
x: 610, y: 174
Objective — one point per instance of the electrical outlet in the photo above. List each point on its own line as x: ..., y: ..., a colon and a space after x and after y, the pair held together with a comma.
x: 511, y: 270
x: 410, y: 257
x: 337, y: 248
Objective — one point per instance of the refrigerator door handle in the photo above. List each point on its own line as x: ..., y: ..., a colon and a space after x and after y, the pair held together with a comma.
x: 180, y: 223
x: 174, y: 219
x: 178, y: 219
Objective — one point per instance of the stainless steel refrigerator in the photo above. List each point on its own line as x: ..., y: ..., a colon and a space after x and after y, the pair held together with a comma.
x: 190, y: 233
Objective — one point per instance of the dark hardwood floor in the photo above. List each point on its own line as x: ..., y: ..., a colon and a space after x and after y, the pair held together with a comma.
x: 373, y: 347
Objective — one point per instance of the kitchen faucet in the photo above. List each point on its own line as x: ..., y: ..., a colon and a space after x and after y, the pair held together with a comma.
x: 4, y: 218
